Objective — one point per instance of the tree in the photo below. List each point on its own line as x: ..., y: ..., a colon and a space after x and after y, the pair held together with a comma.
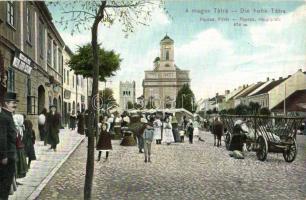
x: 82, y: 62
x: 242, y: 110
x: 88, y: 15
x: 150, y: 104
x: 254, y: 108
x: 185, y: 98
x: 265, y: 111
x: 107, y: 98
x: 130, y: 105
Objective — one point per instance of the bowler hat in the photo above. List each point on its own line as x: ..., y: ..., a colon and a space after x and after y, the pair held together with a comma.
x: 10, y: 96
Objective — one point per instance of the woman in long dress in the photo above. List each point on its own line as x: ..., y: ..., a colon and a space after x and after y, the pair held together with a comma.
x: 167, y: 132
x: 157, y: 124
x: 196, y: 128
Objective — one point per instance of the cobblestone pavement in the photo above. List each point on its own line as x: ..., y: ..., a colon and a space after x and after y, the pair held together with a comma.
x: 46, y: 164
x: 182, y: 171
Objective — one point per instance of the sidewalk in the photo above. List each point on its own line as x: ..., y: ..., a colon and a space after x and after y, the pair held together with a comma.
x: 46, y: 165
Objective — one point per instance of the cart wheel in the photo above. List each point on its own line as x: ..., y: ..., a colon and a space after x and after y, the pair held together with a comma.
x: 262, y: 148
x: 227, y: 140
x: 249, y: 146
x: 291, y: 152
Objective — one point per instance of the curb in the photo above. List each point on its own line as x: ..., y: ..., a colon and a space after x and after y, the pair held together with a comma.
x: 46, y: 180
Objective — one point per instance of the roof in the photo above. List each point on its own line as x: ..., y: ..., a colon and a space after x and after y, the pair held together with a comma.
x: 249, y: 89
x: 166, y: 38
x: 270, y: 86
x: 296, y: 102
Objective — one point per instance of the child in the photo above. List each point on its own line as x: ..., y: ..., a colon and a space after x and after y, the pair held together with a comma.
x: 182, y: 134
x: 148, y: 138
x: 29, y: 141
x: 104, y: 142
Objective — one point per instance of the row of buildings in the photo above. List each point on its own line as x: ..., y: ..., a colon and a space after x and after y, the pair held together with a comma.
x: 282, y: 95
x: 34, y: 56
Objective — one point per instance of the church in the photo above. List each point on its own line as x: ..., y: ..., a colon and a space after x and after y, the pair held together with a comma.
x: 161, y: 85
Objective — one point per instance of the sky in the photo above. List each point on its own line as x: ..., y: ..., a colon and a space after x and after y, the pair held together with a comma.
x: 219, y: 55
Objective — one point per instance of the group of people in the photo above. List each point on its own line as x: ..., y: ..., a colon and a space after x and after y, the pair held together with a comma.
x: 17, y: 139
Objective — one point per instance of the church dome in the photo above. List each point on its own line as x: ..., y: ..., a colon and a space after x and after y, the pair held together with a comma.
x: 166, y: 39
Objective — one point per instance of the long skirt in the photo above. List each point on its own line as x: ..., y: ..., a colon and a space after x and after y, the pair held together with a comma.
x: 196, y: 132
x: 157, y: 134
x: 168, y: 136
x: 21, y: 164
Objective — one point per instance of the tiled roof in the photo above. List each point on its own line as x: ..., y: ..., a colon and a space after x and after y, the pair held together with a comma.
x: 249, y: 89
x: 270, y: 86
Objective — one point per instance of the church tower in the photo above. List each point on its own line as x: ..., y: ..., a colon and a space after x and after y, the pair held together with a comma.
x: 167, y: 54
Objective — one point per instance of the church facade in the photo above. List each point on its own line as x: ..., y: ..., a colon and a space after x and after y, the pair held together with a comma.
x: 161, y: 85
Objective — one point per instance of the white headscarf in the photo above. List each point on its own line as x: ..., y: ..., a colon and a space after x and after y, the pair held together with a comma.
x: 18, y: 120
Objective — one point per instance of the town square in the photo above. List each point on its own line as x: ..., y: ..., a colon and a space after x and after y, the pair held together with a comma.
x: 152, y: 99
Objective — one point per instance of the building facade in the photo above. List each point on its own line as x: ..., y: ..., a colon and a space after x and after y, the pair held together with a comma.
x: 77, y: 90
x: 127, y: 93
x: 161, y: 85
x: 32, y: 51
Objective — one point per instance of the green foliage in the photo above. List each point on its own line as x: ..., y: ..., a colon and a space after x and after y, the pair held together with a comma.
x: 242, y: 110
x: 265, y: 111
x: 82, y: 62
x: 137, y: 106
x: 130, y: 105
x: 185, y: 98
x: 107, y: 98
x: 254, y: 108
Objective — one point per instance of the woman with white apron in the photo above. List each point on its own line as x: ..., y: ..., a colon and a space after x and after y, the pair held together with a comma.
x: 157, y: 124
x: 196, y: 128
x: 167, y: 132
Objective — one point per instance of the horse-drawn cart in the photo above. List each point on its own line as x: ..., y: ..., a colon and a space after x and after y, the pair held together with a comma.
x: 262, y: 134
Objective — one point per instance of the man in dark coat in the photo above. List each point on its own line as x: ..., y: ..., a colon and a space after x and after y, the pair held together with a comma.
x: 8, y: 135
x: 53, y: 126
x: 218, y: 130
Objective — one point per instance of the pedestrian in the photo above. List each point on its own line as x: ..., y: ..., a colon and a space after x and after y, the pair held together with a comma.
x: 175, y: 130
x: 167, y: 131
x: 157, y: 124
x: 196, y: 129
x: 53, y: 126
x: 8, y: 135
x: 148, y: 138
x: 139, y: 134
x: 29, y: 141
x: 81, y: 123
x: 72, y: 120
x: 42, y: 125
x: 182, y: 134
x: 104, y: 142
x: 111, y: 122
x: 21, y: 161
x: 218, y: 130
x: 190, y: 130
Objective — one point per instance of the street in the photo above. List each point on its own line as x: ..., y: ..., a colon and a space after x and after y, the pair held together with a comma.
x: 182, y: 171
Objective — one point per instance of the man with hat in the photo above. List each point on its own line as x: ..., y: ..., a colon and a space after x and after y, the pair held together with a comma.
x: 53, y: 126
x: 8, y: 135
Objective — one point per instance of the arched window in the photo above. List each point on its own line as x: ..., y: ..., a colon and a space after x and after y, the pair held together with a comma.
x: 167, y: 55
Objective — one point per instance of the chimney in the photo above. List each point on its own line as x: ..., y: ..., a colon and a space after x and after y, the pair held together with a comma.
x: 280, y: 78
x: 226, y: 92
x: 289, y: 76
x: 268, y: 79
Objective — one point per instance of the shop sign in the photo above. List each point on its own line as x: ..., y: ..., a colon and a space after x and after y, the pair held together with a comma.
x: 22, y: 62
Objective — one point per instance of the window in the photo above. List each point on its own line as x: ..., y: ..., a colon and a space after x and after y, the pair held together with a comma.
x: 73, y: 81
x: 55, y: 57
x: 167, y: 55
x: 29, y: 23
x: 49, y: 51
x: 31, y: 100
x: 64, y: 76
x: 41, y: 39
x: 11, y: 13
x: 11, y: 80
x: 68, y: 78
